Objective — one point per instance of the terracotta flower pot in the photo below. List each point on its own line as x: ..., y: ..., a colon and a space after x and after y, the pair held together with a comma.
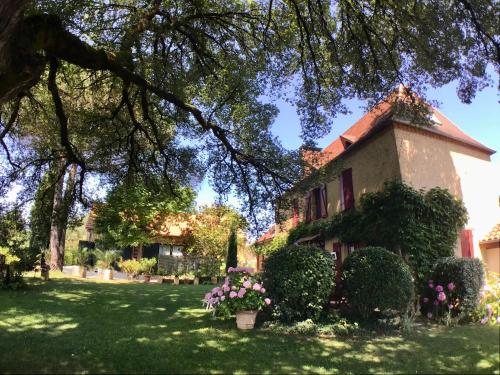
x: 246, y: 319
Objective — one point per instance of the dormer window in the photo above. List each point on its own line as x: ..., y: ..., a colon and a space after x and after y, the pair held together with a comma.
x: 347, y: 141
x: 435, y: 120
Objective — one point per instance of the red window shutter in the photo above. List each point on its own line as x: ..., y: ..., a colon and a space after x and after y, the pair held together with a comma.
x: 466, y: 243
x: 347, y: 189
x: 323, y: 201
x: 295, y: 209
x: 307, y: 207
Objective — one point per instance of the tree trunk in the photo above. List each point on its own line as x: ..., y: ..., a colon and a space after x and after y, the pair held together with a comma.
x: 60, y: 213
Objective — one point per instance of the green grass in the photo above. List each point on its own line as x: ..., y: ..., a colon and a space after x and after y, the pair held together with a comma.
x: 68, y: 326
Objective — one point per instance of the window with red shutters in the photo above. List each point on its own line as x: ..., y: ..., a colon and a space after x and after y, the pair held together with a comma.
x: 323, y: 201
x: 317, y: 203
x: 347, y: 189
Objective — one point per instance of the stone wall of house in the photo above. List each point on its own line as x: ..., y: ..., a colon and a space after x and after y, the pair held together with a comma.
x: 427, y: 160
x: 372, y: 163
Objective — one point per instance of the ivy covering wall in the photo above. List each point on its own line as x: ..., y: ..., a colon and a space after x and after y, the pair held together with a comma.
x: 421, y: 226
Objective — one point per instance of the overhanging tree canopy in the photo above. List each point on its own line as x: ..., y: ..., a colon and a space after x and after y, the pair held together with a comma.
x: 170, y: 74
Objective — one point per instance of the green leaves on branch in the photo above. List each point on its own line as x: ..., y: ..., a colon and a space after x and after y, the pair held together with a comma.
x: 130, y: 214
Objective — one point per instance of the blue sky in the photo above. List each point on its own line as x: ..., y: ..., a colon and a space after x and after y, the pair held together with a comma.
x: 480, y: 120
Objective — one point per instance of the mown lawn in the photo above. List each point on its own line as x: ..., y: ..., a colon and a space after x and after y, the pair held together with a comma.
x: 73, y: 326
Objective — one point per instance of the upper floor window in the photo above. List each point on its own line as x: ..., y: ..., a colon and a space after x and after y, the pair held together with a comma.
x: 346, y: 190
x: 316, y: 204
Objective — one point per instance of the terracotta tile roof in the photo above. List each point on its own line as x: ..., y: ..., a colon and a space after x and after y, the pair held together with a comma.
x: 493, y: 235
x: 269, y: 235
x: 383, y: 110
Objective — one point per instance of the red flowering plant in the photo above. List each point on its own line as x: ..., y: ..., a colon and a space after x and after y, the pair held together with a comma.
x: 440, y: 301
x: 240, y: 291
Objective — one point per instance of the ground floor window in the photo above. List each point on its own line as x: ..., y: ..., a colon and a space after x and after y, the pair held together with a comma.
x: 171, y: 250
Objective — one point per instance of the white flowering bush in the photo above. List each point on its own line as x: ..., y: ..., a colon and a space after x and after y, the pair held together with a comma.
x: 240, y: 291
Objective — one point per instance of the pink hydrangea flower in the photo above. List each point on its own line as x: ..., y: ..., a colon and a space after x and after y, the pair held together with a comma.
x: 247, y: 284
x: 215, y: 290
x: 262, y: 290
x: 208, y: 295
x: 429, y: 315
x: 230, y: 269
x: 256, y: 287
x: 439, y: 288
x: 441, y: 297
x: 220, y: 293
x: 451, y: 286
x: 450, y: 307
x: 431, y: 284
x: 226, y: 288
x: 233, y: 294
x: 242, y: 292
x: 222, y: 298
x: 267, y: 301
x: 426, y: 299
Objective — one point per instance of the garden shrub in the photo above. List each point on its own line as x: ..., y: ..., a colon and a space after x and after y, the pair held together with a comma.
x: 453, y: 289
x: 488, y: 310
x: 10, y: 273
x: 375, y: 278
x: 131, y: 267
x: 299, y: 280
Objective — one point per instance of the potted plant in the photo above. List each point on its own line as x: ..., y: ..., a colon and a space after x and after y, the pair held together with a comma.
x: 146, y: 268
x: 241, y: 294
x: 131, y: 267
x: 197, y: 275
x: 105, y: 261
x: 176, y: 278
x: 82, y: 260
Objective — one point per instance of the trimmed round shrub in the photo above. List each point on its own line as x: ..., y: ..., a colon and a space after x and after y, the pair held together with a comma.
x: 299, y: 280
x: 375, y: 278
x: 454, y: 287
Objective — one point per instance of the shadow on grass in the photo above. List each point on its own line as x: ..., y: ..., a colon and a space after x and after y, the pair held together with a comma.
x: 70, y: 326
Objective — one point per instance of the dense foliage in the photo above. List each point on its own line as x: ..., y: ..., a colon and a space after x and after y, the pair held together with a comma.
x: 232, y: 249
x: 14, y: 236
x: 106, y: 259
x: 176, y: 88
x: 374, y: 278
x: 10, y: 272
x: 454, y: 288
x: 132, y: 213
x: 420, y: 226
x: 278, y: 241
x: 299, y: 280
x: 488, y: 310
x: 210, y: 231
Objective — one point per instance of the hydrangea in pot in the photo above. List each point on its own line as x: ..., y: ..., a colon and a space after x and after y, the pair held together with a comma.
x: 241, y: 294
